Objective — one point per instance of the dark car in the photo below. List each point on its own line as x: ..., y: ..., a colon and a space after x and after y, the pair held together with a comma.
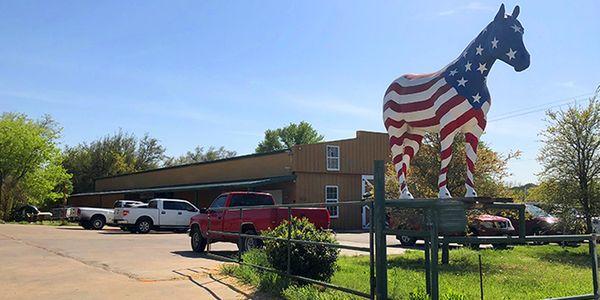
x: 538, y: 222
x: 30, y: 213
x: 489, y: 225
x: 480, y: 225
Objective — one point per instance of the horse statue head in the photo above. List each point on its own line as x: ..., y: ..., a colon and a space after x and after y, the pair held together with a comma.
x: 454, y: 100
x: 505, y: 34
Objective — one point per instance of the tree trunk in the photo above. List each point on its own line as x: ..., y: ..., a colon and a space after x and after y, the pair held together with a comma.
x: 587, y: 214
x: 2, y: 200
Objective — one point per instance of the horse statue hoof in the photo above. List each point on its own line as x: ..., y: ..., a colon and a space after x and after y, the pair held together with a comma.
x: 406, y: 194
x: 471, y: 193
x: 444, y: 193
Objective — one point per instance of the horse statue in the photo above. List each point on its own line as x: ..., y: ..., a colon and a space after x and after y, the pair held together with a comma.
x: 451, y: 101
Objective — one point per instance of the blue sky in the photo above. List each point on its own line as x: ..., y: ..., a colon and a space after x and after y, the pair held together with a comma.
x: 220, y: 73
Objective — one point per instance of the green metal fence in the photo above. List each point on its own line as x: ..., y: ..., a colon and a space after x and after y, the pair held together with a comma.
x: 290, y: 241
x: 441, y: 216
x: 433, y: 236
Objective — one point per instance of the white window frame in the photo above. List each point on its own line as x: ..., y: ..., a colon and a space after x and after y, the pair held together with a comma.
x: 327, y: 157
x: 336, y: 200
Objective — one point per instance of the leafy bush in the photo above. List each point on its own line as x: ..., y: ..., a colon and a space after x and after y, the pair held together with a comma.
x: 312, y: 261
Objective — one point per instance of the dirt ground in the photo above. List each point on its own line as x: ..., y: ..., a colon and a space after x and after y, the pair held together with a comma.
x: 68, y: 262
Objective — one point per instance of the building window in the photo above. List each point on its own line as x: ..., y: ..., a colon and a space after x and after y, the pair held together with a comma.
x: 333, y: 158
x: 332, y: 196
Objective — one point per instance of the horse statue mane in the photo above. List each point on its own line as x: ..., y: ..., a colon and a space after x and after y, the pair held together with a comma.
x: 451, y: 101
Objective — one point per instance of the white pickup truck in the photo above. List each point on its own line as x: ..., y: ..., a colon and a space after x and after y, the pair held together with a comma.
x: 160, y: 214
x: 96, y: 218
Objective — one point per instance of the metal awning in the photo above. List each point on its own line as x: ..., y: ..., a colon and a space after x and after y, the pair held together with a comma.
x: 199, y: 186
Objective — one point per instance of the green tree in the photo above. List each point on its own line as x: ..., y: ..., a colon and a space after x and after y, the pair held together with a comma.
x: 111, y: 155
x: 30, y: 163
x: 570, y: 157
x: 288, y: 136
x: 490, y: 170
x: 200, y: 155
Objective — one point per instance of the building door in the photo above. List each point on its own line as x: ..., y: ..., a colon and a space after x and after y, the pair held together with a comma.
x: 367, y: 192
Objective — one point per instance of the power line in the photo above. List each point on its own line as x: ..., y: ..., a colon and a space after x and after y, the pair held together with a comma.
x: 541, y: 107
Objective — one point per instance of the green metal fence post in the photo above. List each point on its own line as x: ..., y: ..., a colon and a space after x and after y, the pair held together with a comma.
x: 435, y: 289
x: 208, y: 234
x: 594, y: 265
x: 445, y: 253
x: 240, y: 240
x: 427, y: 257
x: 379, y: 222
x: 289, y: 243
x: 372, y: 284
x: 522, y: 223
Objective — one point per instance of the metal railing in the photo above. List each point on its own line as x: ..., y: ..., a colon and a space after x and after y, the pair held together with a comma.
x: 378, y: 231
x: 289, y: 240
x: 432, y: 238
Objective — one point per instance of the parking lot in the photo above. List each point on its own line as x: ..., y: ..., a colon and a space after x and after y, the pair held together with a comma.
x: 69, y: 262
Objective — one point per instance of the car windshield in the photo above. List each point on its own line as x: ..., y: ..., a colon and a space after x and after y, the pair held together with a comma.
x: 537, y: 212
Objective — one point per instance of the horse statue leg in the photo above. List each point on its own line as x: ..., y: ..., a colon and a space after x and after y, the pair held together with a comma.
x: 411, y: 143
x: 446, y: 156
x: 471, y: 142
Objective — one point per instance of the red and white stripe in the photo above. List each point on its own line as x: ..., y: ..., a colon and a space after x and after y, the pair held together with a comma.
x: 415, y: 104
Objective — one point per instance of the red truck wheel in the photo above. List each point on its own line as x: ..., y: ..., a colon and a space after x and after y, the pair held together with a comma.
x: 248, y: 243
x: 198, y: 241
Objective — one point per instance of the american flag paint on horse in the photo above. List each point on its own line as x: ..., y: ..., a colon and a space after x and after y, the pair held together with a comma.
x: 452, y: 101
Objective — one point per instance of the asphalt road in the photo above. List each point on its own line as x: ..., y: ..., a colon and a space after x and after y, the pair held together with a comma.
x: 49, y: 262
x: 46, y: 262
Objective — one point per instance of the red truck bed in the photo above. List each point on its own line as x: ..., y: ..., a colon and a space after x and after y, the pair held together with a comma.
x: 251, y: 220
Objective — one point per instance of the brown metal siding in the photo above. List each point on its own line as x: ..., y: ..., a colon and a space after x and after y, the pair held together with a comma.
x: 356, y: 159
x: 310, y: 188
x: 356, y: 155
x: 104, y: 201
x: 270, y: 165
x: 205, y: 197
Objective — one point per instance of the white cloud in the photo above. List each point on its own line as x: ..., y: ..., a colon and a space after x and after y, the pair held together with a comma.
x: 447, y: 12
x: 471, y: 6
x: 336, y: 106
x: 567, y: 84
x: 174, y: 110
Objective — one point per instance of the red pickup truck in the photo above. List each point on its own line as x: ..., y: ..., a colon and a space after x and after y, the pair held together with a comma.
x: 252, y: 221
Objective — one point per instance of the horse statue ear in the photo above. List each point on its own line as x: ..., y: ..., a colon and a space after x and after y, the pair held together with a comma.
x: 501, y: 13
x: 516, y: 11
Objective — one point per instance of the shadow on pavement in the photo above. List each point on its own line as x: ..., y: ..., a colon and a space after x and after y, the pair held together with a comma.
x: 118, y: 231
x: 192, y: 254
x: 194, y: 281
x: 70, y: 228
x: 214, y: 279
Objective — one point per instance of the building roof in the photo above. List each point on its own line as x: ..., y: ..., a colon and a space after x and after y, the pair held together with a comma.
x: 358, y: 132
x: 199, y: 186
x: 198, y: 163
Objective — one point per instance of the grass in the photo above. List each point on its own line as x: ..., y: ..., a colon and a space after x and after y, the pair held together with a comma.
x: 45, y: 222
x: 524, y: 272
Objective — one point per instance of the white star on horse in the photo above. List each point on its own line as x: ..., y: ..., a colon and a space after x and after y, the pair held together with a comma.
x: 511, y: 54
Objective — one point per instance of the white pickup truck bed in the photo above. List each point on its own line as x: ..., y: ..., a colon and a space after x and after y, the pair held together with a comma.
x: 96, y: 218
x: 160, y: 214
